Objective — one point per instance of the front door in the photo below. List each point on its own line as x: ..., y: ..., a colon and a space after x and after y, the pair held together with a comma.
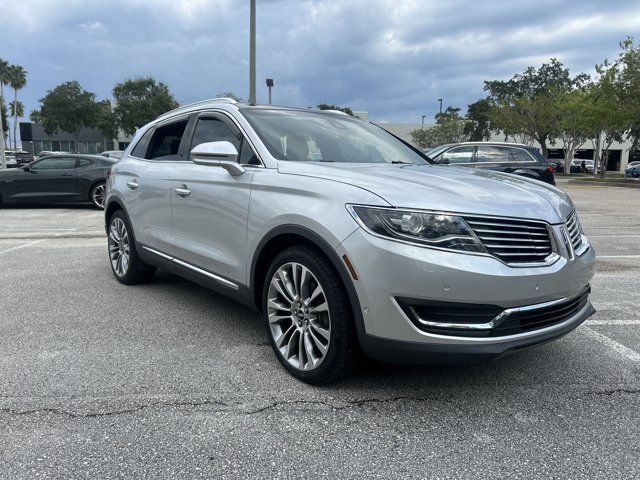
x: 210, y: 206
x: 50, y: 179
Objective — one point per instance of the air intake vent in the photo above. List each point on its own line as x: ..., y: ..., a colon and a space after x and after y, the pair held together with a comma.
x: 575, y: 230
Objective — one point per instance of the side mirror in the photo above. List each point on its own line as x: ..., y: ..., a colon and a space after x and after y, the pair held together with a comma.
x: 218, y: 154
x: 27, y: 168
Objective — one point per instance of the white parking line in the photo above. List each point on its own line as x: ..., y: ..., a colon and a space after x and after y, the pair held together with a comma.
x: 612, y: 322
x: 617, y: 256
x: 25, y: 245
x: 18, y: 247
x: 626, y: 352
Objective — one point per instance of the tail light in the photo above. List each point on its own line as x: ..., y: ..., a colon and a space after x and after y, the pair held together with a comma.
x: 549, y: 168
x: 108, y: 174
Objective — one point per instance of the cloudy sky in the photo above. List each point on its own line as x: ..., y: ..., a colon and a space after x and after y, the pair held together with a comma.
x: 393, y: 58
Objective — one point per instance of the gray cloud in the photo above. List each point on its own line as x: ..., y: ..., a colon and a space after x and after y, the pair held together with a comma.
x: 392, y: 58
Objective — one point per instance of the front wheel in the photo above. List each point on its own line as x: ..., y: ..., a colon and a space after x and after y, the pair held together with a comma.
x: 126, y: 265
x: 308, y: 317
x: 97, y: 195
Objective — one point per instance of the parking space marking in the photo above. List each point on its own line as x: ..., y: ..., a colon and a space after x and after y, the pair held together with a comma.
x: 25, y: 245
x: 18, y: 247
x: 617, y: 256
x: 613, y: 322
x: 626, y: 352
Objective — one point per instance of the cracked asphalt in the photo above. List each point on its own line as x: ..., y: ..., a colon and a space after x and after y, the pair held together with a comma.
x: 169, y: 380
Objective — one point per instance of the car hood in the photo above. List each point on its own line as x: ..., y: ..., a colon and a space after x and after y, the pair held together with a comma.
x: 446, y: 188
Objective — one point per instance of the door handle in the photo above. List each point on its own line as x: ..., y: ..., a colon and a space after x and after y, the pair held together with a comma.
x: 66, y: 174
x: 133, y: 185
x: 182, y: 192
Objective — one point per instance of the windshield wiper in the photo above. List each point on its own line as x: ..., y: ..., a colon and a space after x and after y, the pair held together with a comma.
x: 400, y: 161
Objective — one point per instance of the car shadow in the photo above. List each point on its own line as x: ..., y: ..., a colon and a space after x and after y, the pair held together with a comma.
x: 521, y: 367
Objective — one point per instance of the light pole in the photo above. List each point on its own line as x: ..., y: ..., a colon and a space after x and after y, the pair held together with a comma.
x: 440, y: 100
x: 252, y: 53
x: 269, y: 85
x: 423, y: 120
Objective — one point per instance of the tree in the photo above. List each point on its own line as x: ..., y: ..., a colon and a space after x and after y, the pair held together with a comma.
x: 139, y: 101
x: 326, y: 106
x: 478, y: 126
x: 525, y: 103
x: 628, y: 85
x: 106, y: 121
x: 606, y: 120
x: 4, y: 78
x: 232, y: 95
x: 16, y: 110
x: 67, y: 107
x: 17, y: 81
x: 573, y: 124
x: 449, y: 128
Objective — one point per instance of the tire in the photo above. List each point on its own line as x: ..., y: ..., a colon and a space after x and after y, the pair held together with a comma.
x: 123, y: 256
x: 96, y: 196
x: 314, y: 343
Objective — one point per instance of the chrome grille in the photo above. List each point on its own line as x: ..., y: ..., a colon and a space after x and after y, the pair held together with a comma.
x: 513, y: 241
x: 575, y: 230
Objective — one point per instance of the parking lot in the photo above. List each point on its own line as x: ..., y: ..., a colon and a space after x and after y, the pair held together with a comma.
x: 99, y: 380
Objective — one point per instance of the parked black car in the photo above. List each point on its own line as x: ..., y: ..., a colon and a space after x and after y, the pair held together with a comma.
x: 504, y: 157
x: 57, y: 179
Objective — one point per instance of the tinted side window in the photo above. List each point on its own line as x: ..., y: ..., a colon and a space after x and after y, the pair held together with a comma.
x: 492, y: 154
x: 457, y: 155
x: 83, y: 162
x: 247, y: 155
x: 213, y: 130
x: 140, y: 150
x: 165, y: 141
x: 55, y: 163
x: 520, y: 155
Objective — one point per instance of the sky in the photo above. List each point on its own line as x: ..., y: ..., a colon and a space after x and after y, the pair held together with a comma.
x: 392, y: 58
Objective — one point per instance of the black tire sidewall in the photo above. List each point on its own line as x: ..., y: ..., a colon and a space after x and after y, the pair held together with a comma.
x: 341, y: 349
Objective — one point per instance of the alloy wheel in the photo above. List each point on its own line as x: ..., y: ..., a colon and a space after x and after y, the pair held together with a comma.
x: 97, y: 195
x: 119, y: 248
x: 299, y: 319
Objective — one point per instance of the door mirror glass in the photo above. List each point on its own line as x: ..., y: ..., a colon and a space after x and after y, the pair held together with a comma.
x: 217, y: 154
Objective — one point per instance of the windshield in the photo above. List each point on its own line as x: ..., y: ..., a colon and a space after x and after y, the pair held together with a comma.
x: 319, y: 137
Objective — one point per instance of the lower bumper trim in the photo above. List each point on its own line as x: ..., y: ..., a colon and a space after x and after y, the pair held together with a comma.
x: 403, y: 352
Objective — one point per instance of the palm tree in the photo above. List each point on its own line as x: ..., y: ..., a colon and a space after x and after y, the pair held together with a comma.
x: 4, y: 70
x: 17, y: 81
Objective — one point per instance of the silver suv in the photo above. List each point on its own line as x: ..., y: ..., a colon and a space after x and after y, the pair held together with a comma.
x: 346, y: 238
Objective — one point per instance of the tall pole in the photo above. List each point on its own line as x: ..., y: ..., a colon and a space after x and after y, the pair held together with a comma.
x: 252, y: 54
x: 440, y: 100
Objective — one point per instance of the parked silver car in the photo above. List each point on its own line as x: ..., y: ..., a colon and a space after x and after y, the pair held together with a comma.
x: 346, y: 238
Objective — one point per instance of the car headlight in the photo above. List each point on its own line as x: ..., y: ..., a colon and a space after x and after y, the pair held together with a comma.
x: 432, y: 230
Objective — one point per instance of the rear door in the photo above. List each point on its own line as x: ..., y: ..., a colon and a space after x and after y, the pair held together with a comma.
x: 50, y: 179
x: 494, y: 157
x: 210, y: 206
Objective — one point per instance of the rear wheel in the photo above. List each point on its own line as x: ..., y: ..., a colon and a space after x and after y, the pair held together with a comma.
x: 123, y: 256
x: 308, y: 317
x: 97, y: 195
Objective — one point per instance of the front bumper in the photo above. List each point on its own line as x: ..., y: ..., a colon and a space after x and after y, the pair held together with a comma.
x: 388, y: 270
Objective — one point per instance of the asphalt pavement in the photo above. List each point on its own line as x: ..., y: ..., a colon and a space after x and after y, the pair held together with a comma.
x: 170, y: 380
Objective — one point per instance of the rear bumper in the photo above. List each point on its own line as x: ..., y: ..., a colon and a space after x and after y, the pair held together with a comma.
x: 393, y: 351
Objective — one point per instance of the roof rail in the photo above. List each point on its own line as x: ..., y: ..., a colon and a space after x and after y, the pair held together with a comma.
x: 189, y: 105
